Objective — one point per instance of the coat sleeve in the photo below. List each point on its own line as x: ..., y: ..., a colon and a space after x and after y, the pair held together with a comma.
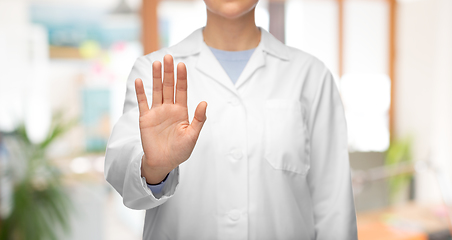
x: 329, y: 177
x: 124, y: 150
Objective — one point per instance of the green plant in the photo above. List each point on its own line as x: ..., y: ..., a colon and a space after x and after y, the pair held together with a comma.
x: 399, y: 152
x: 40, y: 203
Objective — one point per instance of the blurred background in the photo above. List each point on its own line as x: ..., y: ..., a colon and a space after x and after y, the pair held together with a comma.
x: 64, y: 65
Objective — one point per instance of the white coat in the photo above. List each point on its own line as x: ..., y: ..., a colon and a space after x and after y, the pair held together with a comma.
x: 271, y: 161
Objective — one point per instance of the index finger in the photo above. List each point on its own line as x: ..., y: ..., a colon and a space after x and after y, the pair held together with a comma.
x: 141, y: 97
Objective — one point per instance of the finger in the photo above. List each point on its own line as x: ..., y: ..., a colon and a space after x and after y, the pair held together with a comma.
x: 157, y: 90
x: 141, y: 97
x: 181, y: 85
x: 199, y: 119
x: 168, y: 79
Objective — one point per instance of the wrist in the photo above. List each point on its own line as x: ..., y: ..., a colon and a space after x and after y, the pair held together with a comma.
x: 153, y: 175
x: 159, y: 182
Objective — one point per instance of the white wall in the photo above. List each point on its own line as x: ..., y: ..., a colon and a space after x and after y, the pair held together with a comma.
x: 424, y: 88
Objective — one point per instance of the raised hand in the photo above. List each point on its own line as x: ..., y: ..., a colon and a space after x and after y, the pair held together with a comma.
x: 167, y: 136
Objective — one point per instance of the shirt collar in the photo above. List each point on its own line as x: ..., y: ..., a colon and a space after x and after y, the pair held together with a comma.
x: 192, y: 45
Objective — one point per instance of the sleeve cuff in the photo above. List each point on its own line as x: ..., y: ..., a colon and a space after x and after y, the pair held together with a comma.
x: 157, y: 188
x: 166, y: 187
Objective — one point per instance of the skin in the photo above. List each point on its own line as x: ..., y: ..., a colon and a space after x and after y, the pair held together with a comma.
x: 230, y: 25
x: 167, y: 136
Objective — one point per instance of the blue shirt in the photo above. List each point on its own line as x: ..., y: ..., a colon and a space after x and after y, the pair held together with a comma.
x: 233, y: 63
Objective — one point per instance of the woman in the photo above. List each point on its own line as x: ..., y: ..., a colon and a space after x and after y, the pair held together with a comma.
x: 271, y: 161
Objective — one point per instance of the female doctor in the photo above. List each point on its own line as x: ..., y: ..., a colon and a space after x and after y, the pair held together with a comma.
x: 271, y: 161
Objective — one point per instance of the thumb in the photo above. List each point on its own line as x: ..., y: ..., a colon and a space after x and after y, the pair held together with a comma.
x: 199, y: 118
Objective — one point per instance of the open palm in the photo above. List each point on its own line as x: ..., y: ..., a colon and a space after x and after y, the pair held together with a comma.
x: 167, y: 136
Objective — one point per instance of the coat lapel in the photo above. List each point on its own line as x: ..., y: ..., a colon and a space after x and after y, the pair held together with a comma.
x: 267, y: 45
x: 256, y: 61
x: 209, y: 65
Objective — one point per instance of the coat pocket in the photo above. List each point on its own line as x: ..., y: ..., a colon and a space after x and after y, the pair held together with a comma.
x: 286, y: 138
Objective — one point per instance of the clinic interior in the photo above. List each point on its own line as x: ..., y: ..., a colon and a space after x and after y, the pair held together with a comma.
x: 64, y: 64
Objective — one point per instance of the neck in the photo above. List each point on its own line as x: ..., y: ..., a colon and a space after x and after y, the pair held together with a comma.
x: 231, y: 34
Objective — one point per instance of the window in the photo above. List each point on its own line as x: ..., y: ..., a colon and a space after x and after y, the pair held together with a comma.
x: 359, y: 62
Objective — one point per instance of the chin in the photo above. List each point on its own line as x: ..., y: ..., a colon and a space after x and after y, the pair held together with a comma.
x: 230, y: 9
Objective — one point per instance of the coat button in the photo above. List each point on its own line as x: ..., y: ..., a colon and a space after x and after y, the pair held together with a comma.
x: 234, y: 102
x: 234, y: 215
x: 237, y: 154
